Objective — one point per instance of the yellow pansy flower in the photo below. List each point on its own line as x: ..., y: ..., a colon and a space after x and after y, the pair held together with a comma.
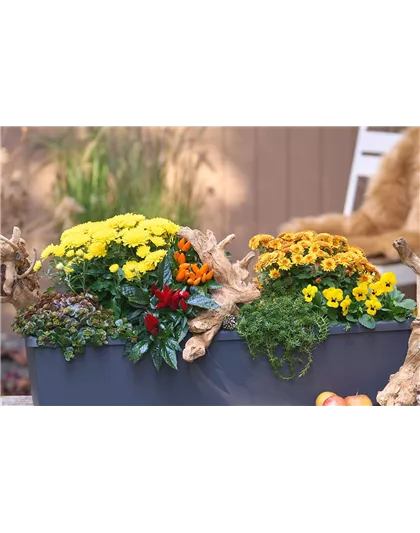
x: 360, y: 292
x: 309, y: 292
x: 333, y: 296
x: 345, y: 304
x: 376, y: 289
x: 372, y: 306
x: 389, y: 280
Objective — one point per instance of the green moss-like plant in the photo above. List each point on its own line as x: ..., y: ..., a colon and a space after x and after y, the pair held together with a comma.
x: 283, y: 319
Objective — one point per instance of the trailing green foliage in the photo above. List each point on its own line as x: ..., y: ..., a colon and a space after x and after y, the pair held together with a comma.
x: 284, y: 319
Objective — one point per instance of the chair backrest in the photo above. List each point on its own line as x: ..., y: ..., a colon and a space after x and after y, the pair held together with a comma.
x: 371, y: 145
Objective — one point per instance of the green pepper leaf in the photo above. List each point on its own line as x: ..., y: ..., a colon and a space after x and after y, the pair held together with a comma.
x: 169, y: 356
x: 155, y: 352
x: 200, y: 300
x: 139, y: 350
x: 135, y: 294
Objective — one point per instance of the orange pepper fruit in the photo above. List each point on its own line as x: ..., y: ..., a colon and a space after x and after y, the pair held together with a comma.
x: 204, y: 269
x: 195, y: 268
x: 176, y: 255
x: 181, y: 276
x: 190, y: 281
x: 210, y: 274
x: 186, y: 247
x: 181, y: 259
x: 184, y: 265
x: 197, y: 281
x: 181, y: 243
x: 204, y: 278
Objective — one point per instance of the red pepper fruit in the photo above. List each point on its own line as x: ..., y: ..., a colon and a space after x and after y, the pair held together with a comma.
x: 183, y: 304
x: 152, y: 324
x: 153, y: 289
x: 184, y: 294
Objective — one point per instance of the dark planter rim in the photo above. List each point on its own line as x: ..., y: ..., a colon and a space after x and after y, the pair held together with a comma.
x: 393, y: 325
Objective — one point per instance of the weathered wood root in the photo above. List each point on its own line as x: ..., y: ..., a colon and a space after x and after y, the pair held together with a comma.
x: 19, y: 282
x: 234, y: 290
x: 404, y: 386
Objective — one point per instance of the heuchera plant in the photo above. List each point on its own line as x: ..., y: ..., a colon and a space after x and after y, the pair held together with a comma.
x: 151, y: 280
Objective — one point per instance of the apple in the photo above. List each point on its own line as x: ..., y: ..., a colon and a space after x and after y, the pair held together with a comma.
x: 358, y: 400
x: 334, y: 401
x: 322, y: 397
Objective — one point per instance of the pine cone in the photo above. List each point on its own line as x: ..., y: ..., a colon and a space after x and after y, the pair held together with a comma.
x: 229, y: 322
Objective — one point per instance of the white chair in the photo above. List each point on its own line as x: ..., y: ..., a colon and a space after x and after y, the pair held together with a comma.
x: 370, y: 147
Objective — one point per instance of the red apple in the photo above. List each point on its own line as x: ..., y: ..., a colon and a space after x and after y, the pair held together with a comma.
x: 322, y: 397
x: 358, y: 400
x: 334, y: 401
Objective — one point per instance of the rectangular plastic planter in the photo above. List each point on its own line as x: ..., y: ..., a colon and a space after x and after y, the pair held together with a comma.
x: 349, y: 361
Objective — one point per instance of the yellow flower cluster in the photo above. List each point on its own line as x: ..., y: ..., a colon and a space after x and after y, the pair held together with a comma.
x: 93, y: 240
x: 363, y: 292
x: 326, y: 251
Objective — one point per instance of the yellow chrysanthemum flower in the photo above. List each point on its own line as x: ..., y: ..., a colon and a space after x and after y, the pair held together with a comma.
x: 274, y: 244
x: 49, y: 250
x: 59, y: 250
x: 268, y: 259
x: 285, y: 264
x: 59, y: 266
x: 286, y: 236
x: 135, y: 237
x: 343, y: 259
x: 70, y: 253
x: 75, y: 240
x: 105, y: 234
x: 158, y: 226
x: 325, y: 238
x: 309, y: 292
x: 315, y: 248
x: 310, y: 259
x: 258, y: 240
x: 143, y: 250
x: 328, y: 265
x: 306, y: 243
x: 274, y: 273
x: 303, y: 236
x: 298, y: 259
x: 373, y: 305
x: 97, y: 249
x: 365, y: 278
x: 157, y: 241
x: 154, y: 258
x: 114, y: 268
x: 339, y: 242
x: 37, y: 266
x: 356, y: 250
x: 80, y: 253
x: 297, y: 248
x: 68, y: 269
x: 127, y: 220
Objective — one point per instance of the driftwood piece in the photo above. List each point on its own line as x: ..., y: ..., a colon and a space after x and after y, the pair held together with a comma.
x: 234, y: 291
x: 404, y: 386
x: 19, y: 282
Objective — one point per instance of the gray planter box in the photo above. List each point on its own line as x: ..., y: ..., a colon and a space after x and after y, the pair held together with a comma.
x: 358, y: 360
